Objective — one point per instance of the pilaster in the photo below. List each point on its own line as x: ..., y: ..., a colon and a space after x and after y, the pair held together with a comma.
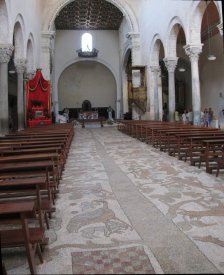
x: 46, y: 48
x: 136, y: 49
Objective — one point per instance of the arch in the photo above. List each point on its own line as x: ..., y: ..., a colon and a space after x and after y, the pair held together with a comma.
x: 173, y: 30
x: 198, y: 9
x: 4, y: 23
x: 30, y: 53
x: 123, y: 7
x: 18, y: 35
x: 155, y: 50
x: 87, y: 94
x: 76, y: 60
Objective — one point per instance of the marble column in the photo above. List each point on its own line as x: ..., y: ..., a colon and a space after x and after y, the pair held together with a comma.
x: 171, y: 64
x: 193, y: 52
x: 155, y: 73
x: 5, y: 55
x: 20, y: 64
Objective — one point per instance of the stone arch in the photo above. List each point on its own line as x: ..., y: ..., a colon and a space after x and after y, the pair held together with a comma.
x: 173, y: 31
x: 76, y: 60
x: 18, y: 34
x: 30, y: 54
x: 4, y: 24
x: 198, y: 9
x: 114, y: 92
x: 123, y: 7
x: 101, y: 61
x: 155, y: 50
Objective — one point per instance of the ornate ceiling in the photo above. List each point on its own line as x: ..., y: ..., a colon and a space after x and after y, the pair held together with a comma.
x: 89, y: 15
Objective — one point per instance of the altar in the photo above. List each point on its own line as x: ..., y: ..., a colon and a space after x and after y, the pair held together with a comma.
x: 88, y: 115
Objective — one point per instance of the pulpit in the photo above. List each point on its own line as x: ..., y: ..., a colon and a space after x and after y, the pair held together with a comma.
x: 38, y: 110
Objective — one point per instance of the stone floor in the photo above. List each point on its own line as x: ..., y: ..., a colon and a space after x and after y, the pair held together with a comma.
x: 126, y: 207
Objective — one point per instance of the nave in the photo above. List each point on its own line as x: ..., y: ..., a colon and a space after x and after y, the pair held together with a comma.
x: 119, y: 196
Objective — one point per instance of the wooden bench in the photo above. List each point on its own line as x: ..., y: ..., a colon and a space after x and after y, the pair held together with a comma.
x: 30, y: 238
x: 21, y: 189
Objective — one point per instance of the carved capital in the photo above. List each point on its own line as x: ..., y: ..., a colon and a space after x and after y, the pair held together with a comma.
x: 171, y: 64
x: 20, y: 64
x: 29, y: 74
x: 133, y: 35
x: 155, y: 69
x: 5, y: 52
x: 47, y: 38
x: 220, y: 27
x: 193, y: 51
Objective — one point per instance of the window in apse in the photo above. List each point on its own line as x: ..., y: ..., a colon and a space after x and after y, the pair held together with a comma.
x: 87, y: 42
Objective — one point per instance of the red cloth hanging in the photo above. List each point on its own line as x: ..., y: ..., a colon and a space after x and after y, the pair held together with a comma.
x: 38, y: 100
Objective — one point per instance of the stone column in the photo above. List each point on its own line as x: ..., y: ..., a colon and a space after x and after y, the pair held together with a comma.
x: 193, y: 52
x: 5, y: 54
x: 155, y: 73
x: 171, y: 64
x: 135, y: 48
x: 20, y: 64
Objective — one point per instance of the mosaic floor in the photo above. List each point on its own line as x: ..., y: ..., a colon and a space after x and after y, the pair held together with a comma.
x: 127, y: 208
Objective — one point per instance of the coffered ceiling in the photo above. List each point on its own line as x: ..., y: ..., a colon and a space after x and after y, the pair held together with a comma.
x: 89, y: 15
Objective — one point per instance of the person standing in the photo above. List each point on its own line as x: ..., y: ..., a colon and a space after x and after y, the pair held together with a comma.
x: 190, y: 117
x: 210, y: 116
x: 184, y: 117
x: 205, y: 117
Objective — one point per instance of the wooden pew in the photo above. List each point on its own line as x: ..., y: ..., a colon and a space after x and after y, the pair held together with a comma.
x: 30, y: 238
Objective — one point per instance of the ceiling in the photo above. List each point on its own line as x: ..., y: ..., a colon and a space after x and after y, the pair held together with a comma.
x: 89, y: 15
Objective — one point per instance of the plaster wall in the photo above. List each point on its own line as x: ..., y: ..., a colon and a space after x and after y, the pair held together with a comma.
x: 68, y: 42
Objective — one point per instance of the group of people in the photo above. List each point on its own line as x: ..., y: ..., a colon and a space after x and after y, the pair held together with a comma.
x: 206, y: 117
x: 187, y: 117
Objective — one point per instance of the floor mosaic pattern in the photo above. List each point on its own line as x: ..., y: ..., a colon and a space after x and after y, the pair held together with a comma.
x: 130, y: 260
x: 126, y: 207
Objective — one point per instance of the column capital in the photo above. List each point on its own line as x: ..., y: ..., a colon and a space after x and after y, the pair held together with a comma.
x: 5, y: 52
x: 29, y: 74
x: 193, y: 51
x: 220, y: 27
x: 171, y: 63
x: 48, y: 34
x: 133, y: 35
x: 20, y: 64
x: 155, y: 68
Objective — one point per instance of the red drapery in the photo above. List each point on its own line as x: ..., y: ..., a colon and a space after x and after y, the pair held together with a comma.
x: 37, y: 99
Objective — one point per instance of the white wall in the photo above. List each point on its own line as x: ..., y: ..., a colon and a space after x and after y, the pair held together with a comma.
x: 30, y: 11
x: 68, y: 42
x: 87, y: 80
